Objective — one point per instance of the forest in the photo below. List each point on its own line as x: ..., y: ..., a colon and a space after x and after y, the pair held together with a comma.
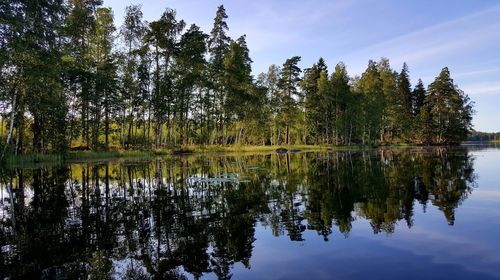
x: 72, y: 80
x: 476, y: 136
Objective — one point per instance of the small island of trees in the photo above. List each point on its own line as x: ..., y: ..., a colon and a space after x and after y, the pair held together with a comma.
x: 71, y: 80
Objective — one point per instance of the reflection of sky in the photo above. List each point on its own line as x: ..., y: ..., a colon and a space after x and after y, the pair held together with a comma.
x: 431, y: 249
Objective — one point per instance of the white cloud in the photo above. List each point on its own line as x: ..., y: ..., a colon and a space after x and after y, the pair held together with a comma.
x: 481, y: 89
x: 453, y: 37
x: 269, y: 26
x: 477, y: 72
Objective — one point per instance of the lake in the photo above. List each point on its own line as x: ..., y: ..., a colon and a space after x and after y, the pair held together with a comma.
x: 399, y: 213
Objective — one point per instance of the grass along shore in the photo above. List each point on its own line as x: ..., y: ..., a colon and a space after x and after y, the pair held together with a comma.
x: 82, y: 156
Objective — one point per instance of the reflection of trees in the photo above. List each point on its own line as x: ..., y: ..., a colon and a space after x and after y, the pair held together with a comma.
x: 147, y: 220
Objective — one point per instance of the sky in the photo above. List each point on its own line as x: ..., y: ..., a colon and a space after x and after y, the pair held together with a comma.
x: 463, y: 35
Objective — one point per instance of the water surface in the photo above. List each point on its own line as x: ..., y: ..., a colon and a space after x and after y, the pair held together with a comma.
x: 418, y: 213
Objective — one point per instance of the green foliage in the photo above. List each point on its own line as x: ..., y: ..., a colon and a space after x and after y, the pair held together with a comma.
x: 288, y: 98
x: 69, y: 79
x: 418, y: 97
x: 448, y: 111
x: 372, y: 89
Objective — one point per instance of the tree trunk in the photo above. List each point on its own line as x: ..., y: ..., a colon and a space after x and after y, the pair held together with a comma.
x: 148, y: 137
x: 287, y: 139
x: 11, y: 125
x: 37, y: 133
x: 20, y: 135
x: 129, y: 136
x: 106, y: 129
x: 158, y: 133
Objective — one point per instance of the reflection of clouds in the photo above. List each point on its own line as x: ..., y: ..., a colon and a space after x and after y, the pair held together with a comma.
x: 448, y: 249
x: 361, y: 256
x: 487, y: 195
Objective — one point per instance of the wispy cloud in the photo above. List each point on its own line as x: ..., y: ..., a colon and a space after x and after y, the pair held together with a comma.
x: 448, y: 38
x: 271, y: 26
x: 477, y: 72
x: 482, y: 89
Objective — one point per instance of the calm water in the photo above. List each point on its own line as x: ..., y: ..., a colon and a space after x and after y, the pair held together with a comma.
x: 424, y: 213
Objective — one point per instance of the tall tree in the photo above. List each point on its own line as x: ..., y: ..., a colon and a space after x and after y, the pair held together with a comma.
x: 371, y: 85
x: 190, y: 71
x: 313, y: 100
x: 104, y: 74
x: 132, y: 31
x: 450, y: 110
x: 218, y: 46
x: 418, y: 97
x: 270, y: 81
x: 323, y: 111
x: 237, y: 82
x: 345, y: 109
x: 288, y: 93
x: 40, y: 62
x: 163, y: 37
x: 11, y: 18
x: 404, y: 106
x: 390, y: 109
x: 79, y: 28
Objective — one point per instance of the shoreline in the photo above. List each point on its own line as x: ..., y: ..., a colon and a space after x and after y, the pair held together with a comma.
x: 84, y: 156
x: 89, y: 156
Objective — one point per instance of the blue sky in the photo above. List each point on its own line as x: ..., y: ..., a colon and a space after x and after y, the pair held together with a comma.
x: 463, y: 35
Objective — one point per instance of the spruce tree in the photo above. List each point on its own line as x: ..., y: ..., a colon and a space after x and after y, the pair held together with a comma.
x: 450, y: 111
x: 418, y: 97
x: 404, y: 121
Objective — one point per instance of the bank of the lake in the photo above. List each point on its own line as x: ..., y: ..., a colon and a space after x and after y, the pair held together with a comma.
x: 82, y: 156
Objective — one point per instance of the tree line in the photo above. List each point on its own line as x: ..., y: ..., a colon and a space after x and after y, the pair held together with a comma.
x: 477, y: 136
x: 71, y: 79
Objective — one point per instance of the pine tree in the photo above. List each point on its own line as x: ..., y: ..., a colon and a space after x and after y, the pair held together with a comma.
x: 190, y: 71
x: 270, y: 81
x: 238, y: 83
x: 218, y: 46
x: 288, y: 94
x: 237, y: 78
x: 163, y: 38
x: 313, y: 100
